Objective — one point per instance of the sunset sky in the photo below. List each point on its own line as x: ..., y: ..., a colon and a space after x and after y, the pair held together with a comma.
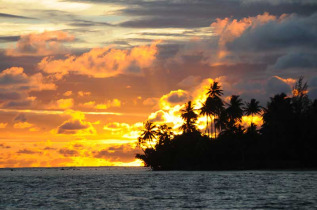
x: 79, y: 77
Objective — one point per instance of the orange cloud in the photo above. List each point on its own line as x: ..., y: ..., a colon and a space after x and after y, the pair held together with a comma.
x: 110, y: 103
x: 172, y: 103
x: 4, y: 146
x: 123, y: 131
x: 28, y: 152
x: 122, y: 153
x: 289, y: 81
x: 83, y: 93
x: 173, y: 98
x: 229, y: 29
x: 68, y: 93
x: 41, y: 44
x: 22, y: 125
x: 89, y: 104
x: 103, y: 62
x: 116, y: 126
x: 150, y: 101
x: 3, y: 125
x: 14, y: 79
x: 76, y: 125
x: 62, y: 104
x: 158, y: 116
x: 68, y: 152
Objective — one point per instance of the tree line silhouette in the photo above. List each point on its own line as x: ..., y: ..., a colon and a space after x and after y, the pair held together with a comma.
x: 286, y: 139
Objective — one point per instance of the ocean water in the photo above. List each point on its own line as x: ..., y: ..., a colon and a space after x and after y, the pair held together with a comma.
x: 140, y: 188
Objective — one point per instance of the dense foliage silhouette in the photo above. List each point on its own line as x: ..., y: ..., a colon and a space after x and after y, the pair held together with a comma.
x: 286, y: 139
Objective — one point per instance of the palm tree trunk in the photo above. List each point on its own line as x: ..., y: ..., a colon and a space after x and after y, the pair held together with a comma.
x: 150, y: 142
x: 215, y: 126
x: 210, y: 128
x: 206, y: 130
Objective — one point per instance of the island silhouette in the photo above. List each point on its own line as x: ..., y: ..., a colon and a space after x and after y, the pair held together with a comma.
x: 287, y: 138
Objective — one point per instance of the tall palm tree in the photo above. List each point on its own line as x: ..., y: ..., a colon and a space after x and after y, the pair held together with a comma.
x: 214, y: 107
x: 252, y: 108
x: 204, y: 112
x: 234, y: 109
x: 214, y: 90
x: 222, y: 120
x: 300, y: 98
x: 148, y: 134
x: 214, y: 104
x: 164, y: 134
x: 190, y: 117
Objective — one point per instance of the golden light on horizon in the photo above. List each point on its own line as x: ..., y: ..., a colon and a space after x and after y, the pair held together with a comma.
x: 79, y: 79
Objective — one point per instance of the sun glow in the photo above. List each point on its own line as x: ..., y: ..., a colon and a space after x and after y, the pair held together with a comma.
x: 79, y: 78
x: 256, y: 119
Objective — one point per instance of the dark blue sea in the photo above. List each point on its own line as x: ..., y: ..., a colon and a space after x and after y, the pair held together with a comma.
x: 140, y: 188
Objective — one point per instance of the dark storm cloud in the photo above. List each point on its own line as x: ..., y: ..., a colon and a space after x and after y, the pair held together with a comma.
x: 70, y: 19
x: 9, y: 38
x: 10, y: 95
x: 18, y: 104
x: 275, y: 86
x: 87, y: 23
x: 168, y: 50
x: 313, y: 82
x: 200, y: 13
x: 313, y: 93
x: 209, y: 9
x: 4, y: 15
x: 296, y: 60
x: 295, y: 31
x: 12, y: 79
x: 312, y: 87
x: 28, y: 63
x: 166, y: 22
x: 287, y: 45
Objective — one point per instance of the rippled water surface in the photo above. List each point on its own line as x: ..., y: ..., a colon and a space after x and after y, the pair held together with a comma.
x: 140, y: 188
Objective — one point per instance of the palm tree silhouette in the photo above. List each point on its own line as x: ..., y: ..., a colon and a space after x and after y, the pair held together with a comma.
x: 214, y: 107
x: 252, y: 108
x: 164, y: 134
x: 234, y: 109
x: 214, y: 90
x: 300, y: 99
x: 214, y: 104
x: 204, y: 112
x: 148, y: 134
x: 190, y: 117
x: 278, y: 114
x: 222, y: 121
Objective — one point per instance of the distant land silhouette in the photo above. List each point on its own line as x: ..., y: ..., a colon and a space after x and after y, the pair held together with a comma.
x: 287, y: 138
